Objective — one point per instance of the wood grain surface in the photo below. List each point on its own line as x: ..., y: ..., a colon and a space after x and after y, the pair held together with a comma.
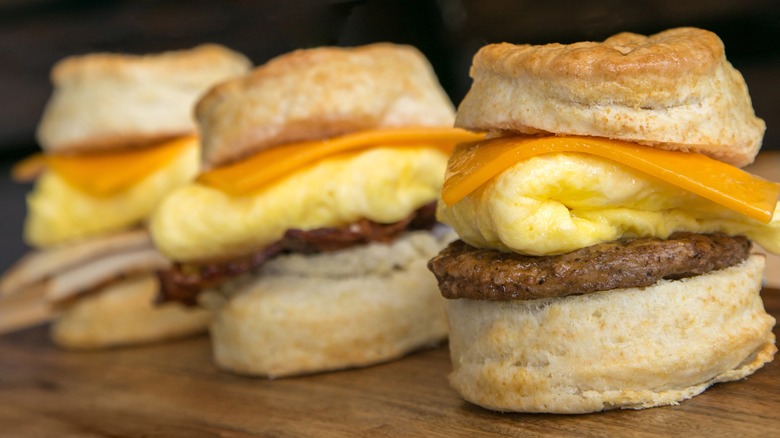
x: 174, y: 390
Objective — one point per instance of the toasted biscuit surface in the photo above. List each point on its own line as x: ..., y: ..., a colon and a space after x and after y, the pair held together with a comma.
x: 104, y: 100
x: 312, y: 313
x: 319, y: 93
x: 674, y: 90
x: 125, y: 313
x: 626, y: 348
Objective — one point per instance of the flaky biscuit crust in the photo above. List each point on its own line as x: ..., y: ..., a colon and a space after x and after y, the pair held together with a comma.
x: 621, y: 349
x: 313, y: 313
x: 106, y: 101
x: 674, y: 90
x: 125, y: 313
x: 320, y: 93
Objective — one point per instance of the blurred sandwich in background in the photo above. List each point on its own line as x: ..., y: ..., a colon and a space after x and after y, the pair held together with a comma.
x: 117, y: 135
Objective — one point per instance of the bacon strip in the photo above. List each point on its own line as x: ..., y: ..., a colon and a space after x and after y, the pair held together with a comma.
x: 183, y: 282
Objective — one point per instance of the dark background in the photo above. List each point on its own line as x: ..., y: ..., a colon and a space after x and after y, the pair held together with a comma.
x: 34, y: 34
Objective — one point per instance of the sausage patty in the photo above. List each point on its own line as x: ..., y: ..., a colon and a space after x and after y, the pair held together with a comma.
x: 485, y: 274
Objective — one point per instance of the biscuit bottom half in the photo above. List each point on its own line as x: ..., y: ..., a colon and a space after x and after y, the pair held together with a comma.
x: 304, y: 314
x: 125, y: 313
x: 626, y: 348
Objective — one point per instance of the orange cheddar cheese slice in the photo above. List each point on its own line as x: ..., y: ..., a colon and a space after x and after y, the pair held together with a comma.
x: 271, y: 164
x: 474, y: 164
x: 107, y: 173
x: 28, y: 169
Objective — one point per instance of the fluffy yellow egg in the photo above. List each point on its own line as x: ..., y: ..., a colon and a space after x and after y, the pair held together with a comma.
x: 59, y: 212
x: 556, y: 203
x: 383, y: 184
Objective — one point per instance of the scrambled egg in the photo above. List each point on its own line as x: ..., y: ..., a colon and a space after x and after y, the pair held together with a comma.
x: 58, y: 212
x: 556, y: 203
x: 384, y: 185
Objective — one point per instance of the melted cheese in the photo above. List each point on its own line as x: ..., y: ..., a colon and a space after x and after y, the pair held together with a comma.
x: 474, y: 164
x: 58, y: 212
x: 385, y: 185
x: 29, y: 168
x: 109, y: 173
x: 558, y: 202
x: 270, y: 165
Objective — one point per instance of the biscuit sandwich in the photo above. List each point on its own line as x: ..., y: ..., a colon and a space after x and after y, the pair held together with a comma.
x: 117, y: 135
x: 605, y: 226
x: 309, y: 232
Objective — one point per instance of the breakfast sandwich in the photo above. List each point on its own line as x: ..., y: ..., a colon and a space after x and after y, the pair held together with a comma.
x: 605, y: 226
x: 309, y: 232
x: 117, y: 135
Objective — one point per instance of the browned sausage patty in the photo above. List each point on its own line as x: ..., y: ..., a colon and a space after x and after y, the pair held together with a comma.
x: 485, y: 274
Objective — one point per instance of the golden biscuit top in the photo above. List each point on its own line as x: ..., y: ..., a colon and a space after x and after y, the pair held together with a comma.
x: 204, y: 59
x: 319, y: 93
x: 104, y: 101
x: 631, y: 63
x: 670, y: 52
x: 674, y: 90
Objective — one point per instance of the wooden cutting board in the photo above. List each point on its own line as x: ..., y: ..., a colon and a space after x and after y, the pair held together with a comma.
x: 174, y: 390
